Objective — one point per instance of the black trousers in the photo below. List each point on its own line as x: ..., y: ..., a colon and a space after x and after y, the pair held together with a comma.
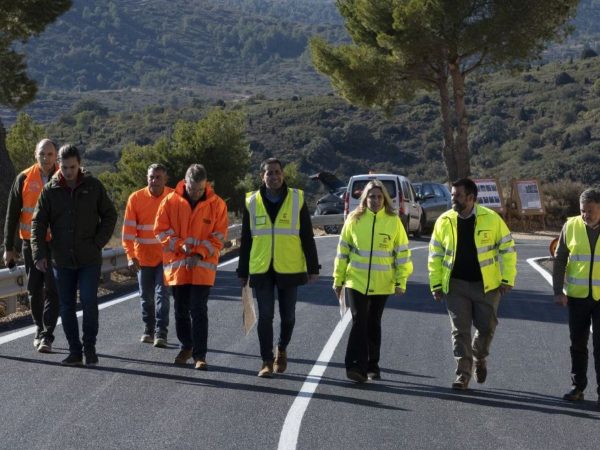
x: 43, y: 297
x: 582, y: 312
x: 364, y: 342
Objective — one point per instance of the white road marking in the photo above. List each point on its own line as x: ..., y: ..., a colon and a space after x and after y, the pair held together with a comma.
x: 533, y: 262
x: 288, y: 439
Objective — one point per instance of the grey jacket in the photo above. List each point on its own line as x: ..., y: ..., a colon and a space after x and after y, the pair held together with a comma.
x: 81, y: 221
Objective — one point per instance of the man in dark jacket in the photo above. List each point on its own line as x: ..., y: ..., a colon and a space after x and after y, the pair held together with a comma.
x: 81, y: 218
x: 276, y: 252
x: 22, y: 198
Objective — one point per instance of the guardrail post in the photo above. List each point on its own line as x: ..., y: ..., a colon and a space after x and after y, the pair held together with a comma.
x: 9, y: 305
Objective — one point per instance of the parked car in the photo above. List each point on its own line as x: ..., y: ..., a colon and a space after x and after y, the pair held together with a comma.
x: 435, y: 199
x: 404, y: 198
x: 333, y: 202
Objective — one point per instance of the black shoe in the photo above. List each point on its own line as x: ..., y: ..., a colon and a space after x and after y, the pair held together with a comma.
x: 356, y: 375
x: 574, y: 395
x: 91, y: 359
x: 480, y: 370
x: 373, y: 372
x: 72, y: 360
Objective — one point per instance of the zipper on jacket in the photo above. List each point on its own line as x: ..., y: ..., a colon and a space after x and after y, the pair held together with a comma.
x: 371, y: 255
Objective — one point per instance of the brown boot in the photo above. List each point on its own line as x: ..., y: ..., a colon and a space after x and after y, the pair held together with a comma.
x: 280, y: 363
x: 480, y: 370
x: 461, y: 383
x: 266, y: 370
x: 183, y: 356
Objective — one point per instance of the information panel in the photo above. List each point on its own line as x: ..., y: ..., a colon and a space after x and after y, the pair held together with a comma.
x: 489, y: 194
x: 527, y: 196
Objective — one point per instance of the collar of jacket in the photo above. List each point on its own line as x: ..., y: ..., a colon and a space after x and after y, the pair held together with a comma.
x: 479, y: 211
x: 284, y: 192
x: 210, y: 194
x: 58, y: 180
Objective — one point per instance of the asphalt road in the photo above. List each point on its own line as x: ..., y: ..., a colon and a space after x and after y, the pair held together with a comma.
x: 136, y: 398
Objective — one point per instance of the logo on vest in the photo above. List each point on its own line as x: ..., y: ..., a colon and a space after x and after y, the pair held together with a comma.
x: 34, y: 186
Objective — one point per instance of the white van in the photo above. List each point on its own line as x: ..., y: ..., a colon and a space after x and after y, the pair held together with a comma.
x: 404, y: 198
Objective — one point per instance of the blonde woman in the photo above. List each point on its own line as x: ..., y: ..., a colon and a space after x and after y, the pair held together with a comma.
x: 372, y: 262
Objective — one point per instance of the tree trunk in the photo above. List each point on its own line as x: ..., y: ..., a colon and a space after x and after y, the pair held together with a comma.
x: 7, y: 175
x: 448, y: 148
x: 461, y: 142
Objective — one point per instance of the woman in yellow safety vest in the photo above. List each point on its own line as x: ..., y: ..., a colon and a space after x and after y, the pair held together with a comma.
x: 372, y: 262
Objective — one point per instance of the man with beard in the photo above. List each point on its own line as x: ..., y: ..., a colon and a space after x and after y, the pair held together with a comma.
x: 465, y: 250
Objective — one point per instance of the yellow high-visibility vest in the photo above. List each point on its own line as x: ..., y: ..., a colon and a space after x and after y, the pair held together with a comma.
x: 581, y: 266
x: 492, y: 240
x: 373, y: 257
x: 278, y: 242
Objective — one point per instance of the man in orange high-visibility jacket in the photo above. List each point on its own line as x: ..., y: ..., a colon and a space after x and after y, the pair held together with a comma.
x: 191, y: 224
x: 41, y: 287
x: 144, y: 254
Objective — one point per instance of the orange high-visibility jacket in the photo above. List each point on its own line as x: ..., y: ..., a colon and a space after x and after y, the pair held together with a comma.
x: 138, y: 236
x: 32, y: 188
x: 204, y: 228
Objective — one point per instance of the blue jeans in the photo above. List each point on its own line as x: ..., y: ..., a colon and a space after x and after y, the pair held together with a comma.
x: 67, y: 281
x: 191, y: 318
x: 265, y: 297
x: 152, y: 287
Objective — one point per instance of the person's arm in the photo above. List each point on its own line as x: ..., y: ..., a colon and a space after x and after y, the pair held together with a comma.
x: 559, y: 268
x: 39, y: 228
x: 243, y: 268
x: 342, y: 258
x: 108, y: 218
x: 13, y: 212
x: 307, y: 238
x: 506, y: 250
x: 216, y: 239
x: 402, y: 259
x: 129, y: 233
x: 435, y: 260
x: 163, y: 230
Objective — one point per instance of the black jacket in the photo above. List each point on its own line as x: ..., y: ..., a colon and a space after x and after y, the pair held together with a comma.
x: 306, y: 238
x: 81, y: 221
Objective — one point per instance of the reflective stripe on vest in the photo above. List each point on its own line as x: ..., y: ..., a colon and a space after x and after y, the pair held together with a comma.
x: 280, y: 241
x: 583, y: 270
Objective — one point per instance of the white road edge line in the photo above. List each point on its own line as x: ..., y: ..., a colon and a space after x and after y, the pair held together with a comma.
x: 533, y: 262
x: 288, y: 439
x: 31, y: 330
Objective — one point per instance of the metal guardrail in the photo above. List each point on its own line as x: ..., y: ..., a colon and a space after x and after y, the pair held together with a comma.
x: 14, y: 282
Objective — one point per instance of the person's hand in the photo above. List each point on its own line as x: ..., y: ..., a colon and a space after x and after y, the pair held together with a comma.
x: 438, y: 295
x: 399, y: 291
x: 243, y: 281
x: 186, y: 248
x: 313, y: 277
x: 561, y: 299
x: 9, y: 255
x: 134, y: 265
x: 504, y: 289
x: 192, y: 260
x: 338, y: 291
x: 42, y: 265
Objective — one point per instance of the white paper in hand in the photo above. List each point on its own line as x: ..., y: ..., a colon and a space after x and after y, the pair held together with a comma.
x: 342, y: 299
x: 248, y: 311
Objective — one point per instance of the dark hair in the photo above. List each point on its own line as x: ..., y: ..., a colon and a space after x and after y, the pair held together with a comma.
x: 195, y: 173
x: 590, y: 195
x: 266, y: 162
x: 157, y: 166
x: 69, y: 151
x: 468, y: 184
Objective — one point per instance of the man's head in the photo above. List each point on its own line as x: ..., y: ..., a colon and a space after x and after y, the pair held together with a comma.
x: 69, y: 162
x: 45, y: 155
x: 195, y: 181
x: 464, y: 195
x: 157, y: 178
x: 589, y: 204
x: 271, y: 173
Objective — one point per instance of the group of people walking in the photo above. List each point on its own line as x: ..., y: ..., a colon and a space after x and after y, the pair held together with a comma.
x: 173, y: 237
